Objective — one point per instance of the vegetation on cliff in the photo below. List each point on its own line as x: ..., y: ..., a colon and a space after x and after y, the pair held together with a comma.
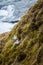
x: 23, y: 45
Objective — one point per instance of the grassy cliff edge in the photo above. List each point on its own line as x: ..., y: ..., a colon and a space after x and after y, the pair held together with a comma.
x: 23, y: 45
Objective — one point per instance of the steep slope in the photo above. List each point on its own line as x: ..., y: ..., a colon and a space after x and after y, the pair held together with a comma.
x: 24, y: 44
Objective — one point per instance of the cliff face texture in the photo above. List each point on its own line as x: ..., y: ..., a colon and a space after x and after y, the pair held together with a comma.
x: 24, y: 44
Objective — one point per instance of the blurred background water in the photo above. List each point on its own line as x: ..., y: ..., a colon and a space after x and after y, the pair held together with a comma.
x: 11, y: 11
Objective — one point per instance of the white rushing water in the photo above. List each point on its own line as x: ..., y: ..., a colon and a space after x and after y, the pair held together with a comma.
x: 5, y: 27
x: 11, y: 10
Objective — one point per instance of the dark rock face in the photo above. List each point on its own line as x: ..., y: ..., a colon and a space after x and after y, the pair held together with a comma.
x: 14, y: 21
